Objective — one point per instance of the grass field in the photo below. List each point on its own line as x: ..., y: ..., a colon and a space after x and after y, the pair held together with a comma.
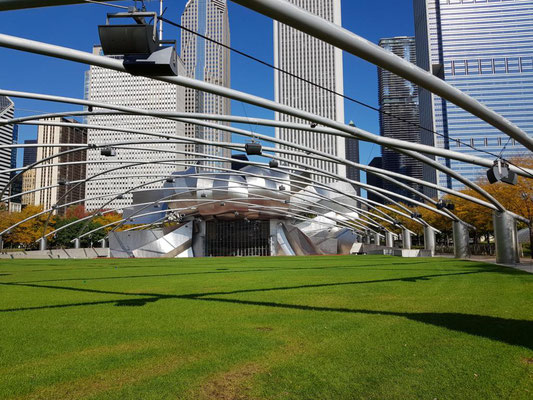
x: 368, y: 327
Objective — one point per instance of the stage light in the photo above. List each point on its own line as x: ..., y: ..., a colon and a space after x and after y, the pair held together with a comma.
x: 253, y: 149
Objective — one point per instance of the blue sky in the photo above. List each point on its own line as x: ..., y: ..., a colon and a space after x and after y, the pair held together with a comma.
x: 76, y: 27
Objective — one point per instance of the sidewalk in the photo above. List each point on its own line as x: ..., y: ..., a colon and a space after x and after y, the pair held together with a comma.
x: 526, y: 264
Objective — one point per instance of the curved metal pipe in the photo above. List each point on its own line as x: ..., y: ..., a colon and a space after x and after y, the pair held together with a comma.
x: 348, y: 41
x: 105, y: 62
x: 205, y: 176
x: 360, y: 133
x: 341, y: 38
x: 245, y: 133
x: 495, y: 203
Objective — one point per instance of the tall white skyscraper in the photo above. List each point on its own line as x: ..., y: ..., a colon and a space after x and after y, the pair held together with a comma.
x: 320, y: 63
x: 209, y: 62
x: 7, y: 109
x: 119, y: 88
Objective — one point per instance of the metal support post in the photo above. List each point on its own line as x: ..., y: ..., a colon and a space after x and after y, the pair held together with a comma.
x: 429, y: 239
x: 103, y: 243
x: 461, y: 240
x: 389, y: 239
x: 43, y: 244
x: 376, y: 239
x: 77, y: 243
x: 367, y: 238
x: 506, y: 238
x: 406, y: 239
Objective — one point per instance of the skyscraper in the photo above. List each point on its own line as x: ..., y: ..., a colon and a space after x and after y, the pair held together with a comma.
x: 119, y: 88
x: 28, y: 178
x: 60, y: 174
x: 209, y: 62
x: 30, y: 153
x: 7, y: 110
x: 399, y: 117
x: 16, y: 186
x: 485, y: 49
x: 312, y: 59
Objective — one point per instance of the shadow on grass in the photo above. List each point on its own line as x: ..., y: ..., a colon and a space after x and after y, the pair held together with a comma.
x: 505, y: 330
x: 511, y: 331
x: 242, y: 271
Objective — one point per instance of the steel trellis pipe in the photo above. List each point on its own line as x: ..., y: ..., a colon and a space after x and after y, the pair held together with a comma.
x: 325, y: 155
x: 337, y: 36
x: 429, y: 161
x: 472, y: 159
x: 357, y: 132
x: 79, y: 56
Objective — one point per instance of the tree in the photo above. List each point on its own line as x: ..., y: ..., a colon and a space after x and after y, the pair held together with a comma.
x: 108, y: 218
x: 76, y: 212
x: 29, y: 232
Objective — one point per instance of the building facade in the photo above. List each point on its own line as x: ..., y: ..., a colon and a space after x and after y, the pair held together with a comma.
x: 485, y: 49
x: 72, y: 168
x: 123, y: 89
x: 375, y: 181
x: 16, y: 185
x: 209, y: 62
x: 320, y: 63
x: 399, y: 116
x: 28, y: 178
x: 7, y: 110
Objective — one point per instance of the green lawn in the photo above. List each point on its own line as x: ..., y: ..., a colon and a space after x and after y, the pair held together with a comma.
x: 351, y: 327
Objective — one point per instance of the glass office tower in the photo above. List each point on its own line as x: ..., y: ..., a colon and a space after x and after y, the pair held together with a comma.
x: 485, y: 49
x: 399, y: 118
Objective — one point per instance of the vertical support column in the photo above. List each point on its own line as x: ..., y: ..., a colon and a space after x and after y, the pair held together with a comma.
x: 1, y: 243
x: 77, y: 243
x: 103, y: 243
x: 43, y: 244
x: 461, y: 239
x: 198, y: 238
x: 429, y: 239
x: 406, y: 239
x: 367, y: 238
x: 389, y: 239
x: 506, y: 238
x: 376, y: 239
x: 273, y: 236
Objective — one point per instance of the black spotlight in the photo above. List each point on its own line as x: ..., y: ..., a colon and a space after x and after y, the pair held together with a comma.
x: 253, y: 149
x: 416, y: 215
x: 500, y: 172
x: 441, y: 204
x: 61, y: 182
x: 273, y: 164
x: 170, y: 179
x: 108, y: 152
x: 139, y: 45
